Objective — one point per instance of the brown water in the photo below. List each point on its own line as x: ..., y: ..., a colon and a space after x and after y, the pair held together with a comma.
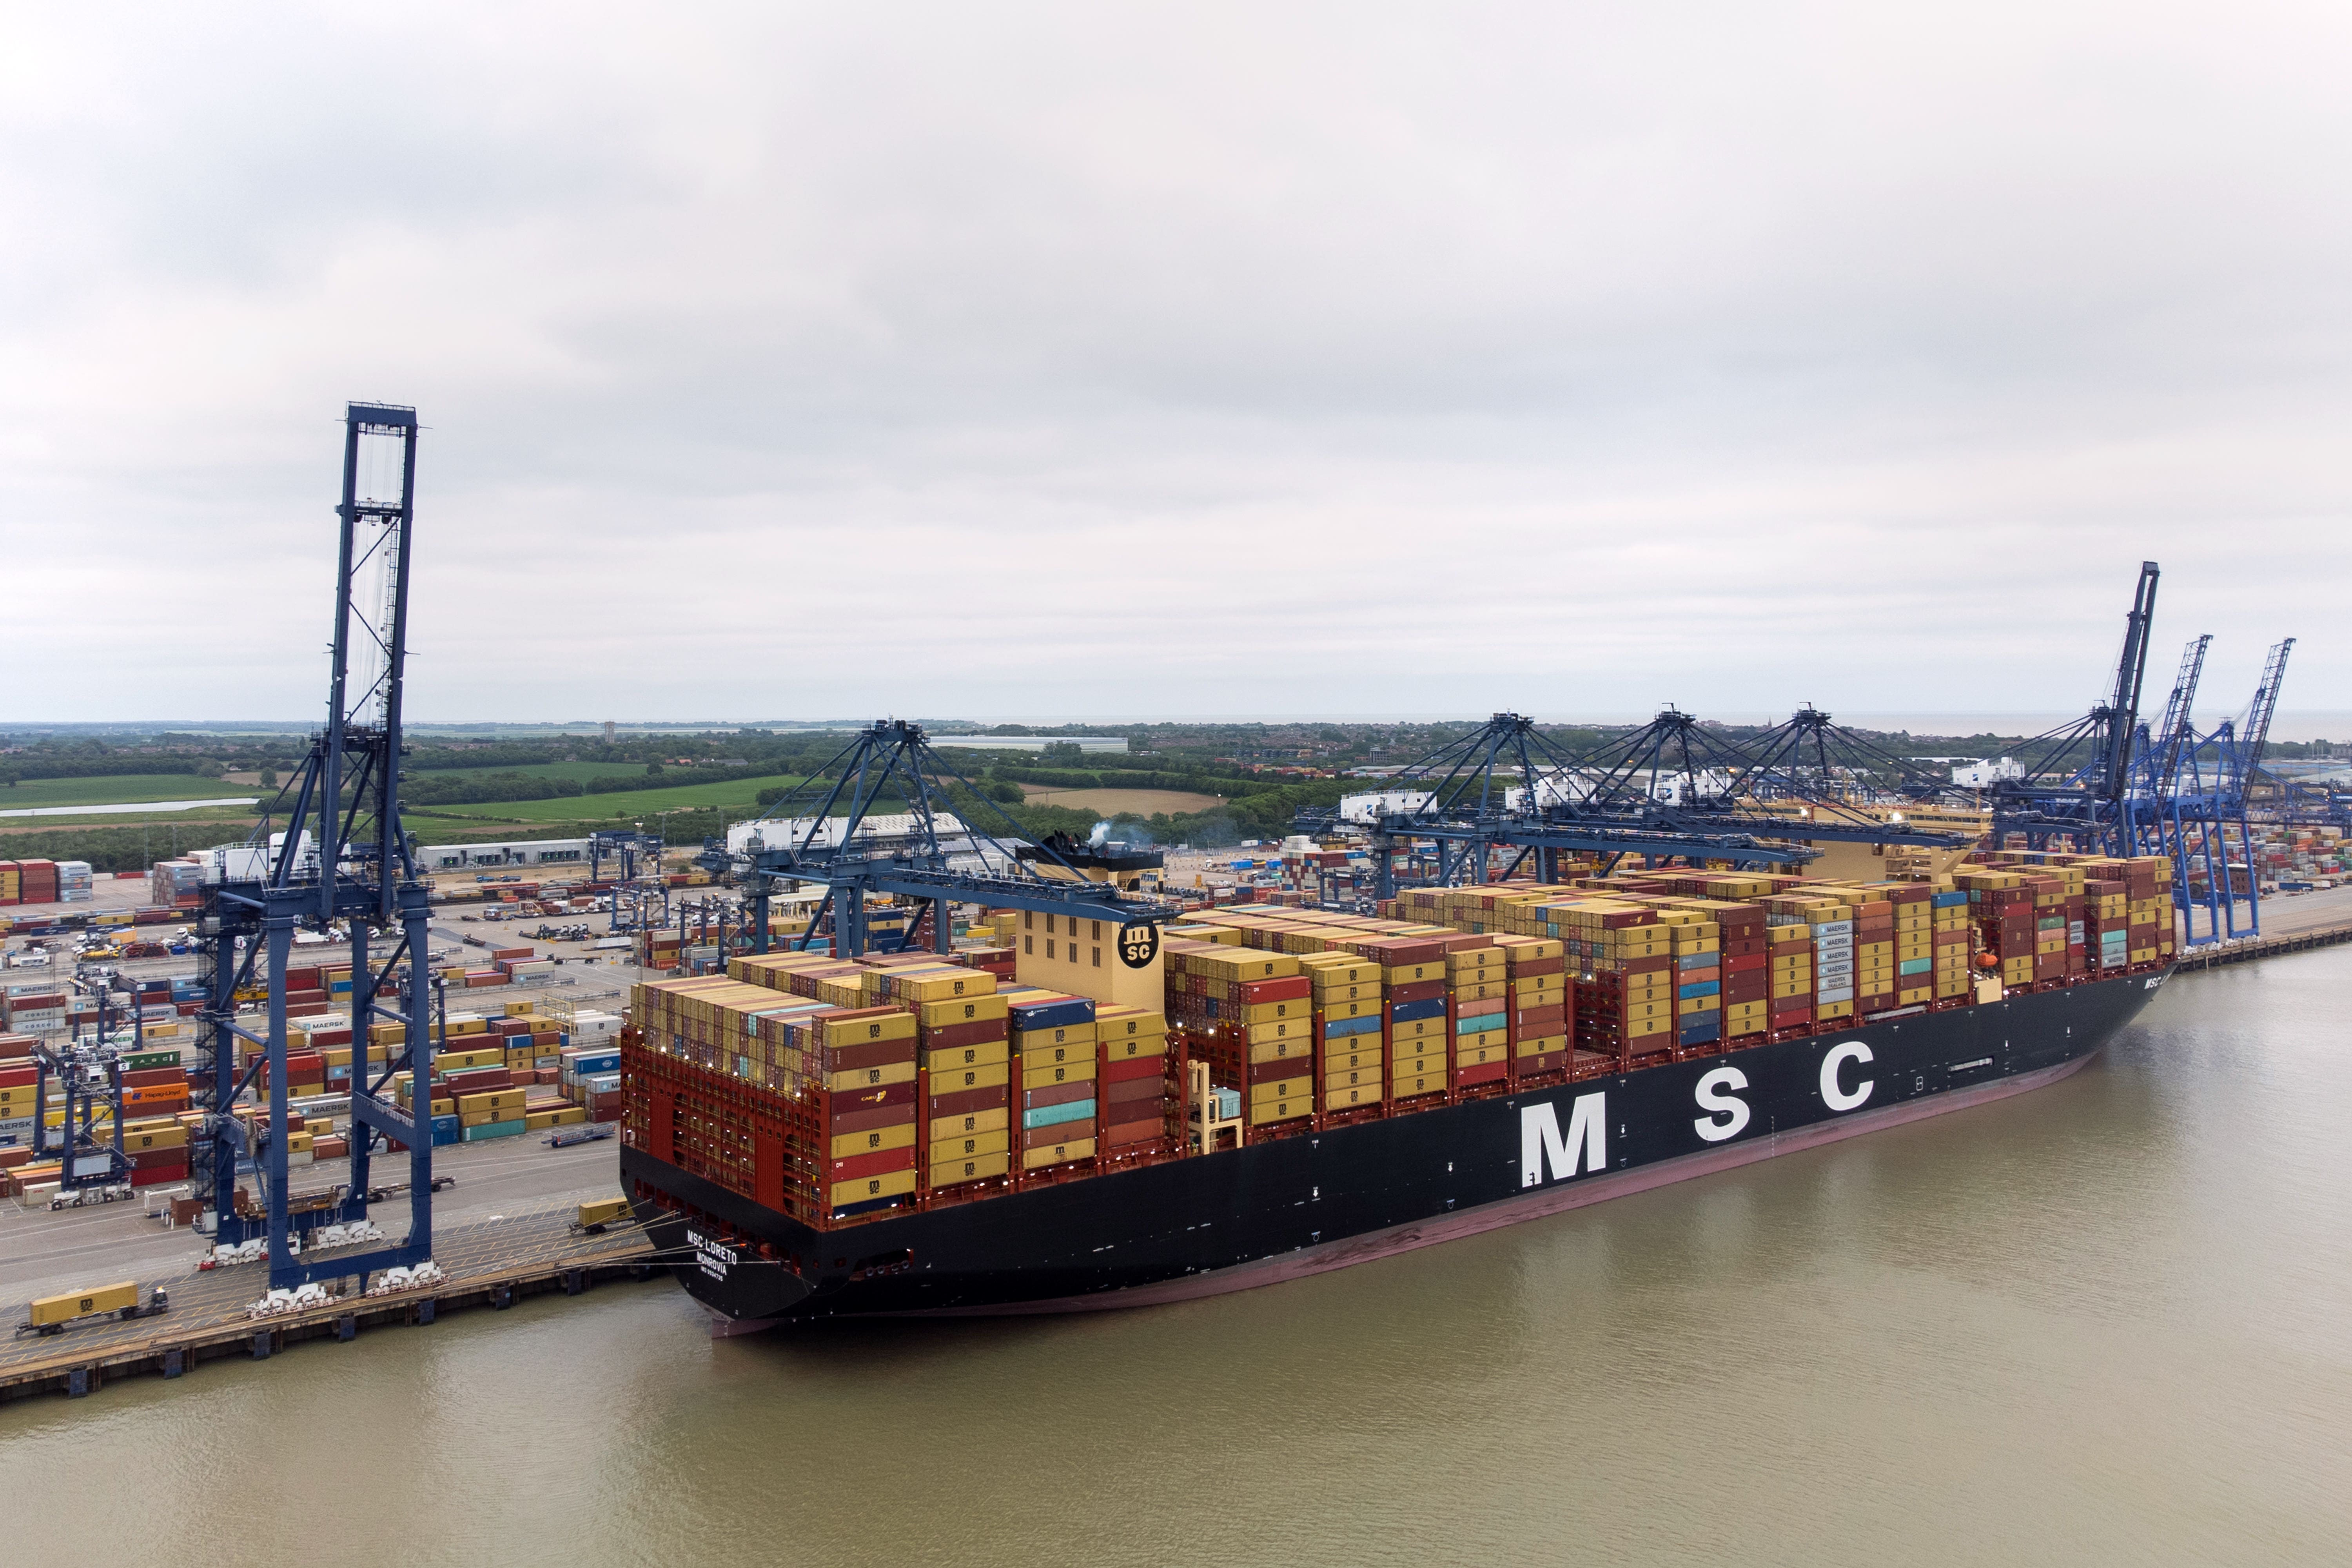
x: 2106, y: 1322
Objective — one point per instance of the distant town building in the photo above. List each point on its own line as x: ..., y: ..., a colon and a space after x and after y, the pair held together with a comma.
x: 1984, y: 775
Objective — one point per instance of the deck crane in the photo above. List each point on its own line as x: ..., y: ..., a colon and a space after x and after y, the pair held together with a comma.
x: 2081, y: 787
x: 1670, y: 788
x: 828, y: 830
x: 342, y: 857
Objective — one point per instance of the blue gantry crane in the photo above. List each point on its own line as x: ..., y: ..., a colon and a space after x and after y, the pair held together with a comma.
x: 832, y: 830
x: 2081, y: 787
x: 1671, y: 788
x: 340, y: 858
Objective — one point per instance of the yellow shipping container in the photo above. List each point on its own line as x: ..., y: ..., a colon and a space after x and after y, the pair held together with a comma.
x: 892, y: 1185
x: 1128, y: 1047
x: 977, y: 1169
x: 1348, y: 1097
x: 952, y: 1080
x: 874, y: 1140
x: 1046, y: 1077
x: 1281, y: 1088
x: 946, y: 1150
x: 1414, y: 1067
x: 946, y: 984
x: 1536, y: 1047
x: 74, y: 1304
x: 870, y: 1078
x: 866, y: 1031
x: 994, y: 1120
x: 971, y: 1010
x: 1036, y: 1050
x: 1069, y: 1036
x: 1057, y: 1154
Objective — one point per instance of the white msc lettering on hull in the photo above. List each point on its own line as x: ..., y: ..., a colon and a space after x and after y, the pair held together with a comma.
x: 1540, y: 1140
x: 714, y: 1258
x: 1714, y: 1097
x: 1835, y: 1097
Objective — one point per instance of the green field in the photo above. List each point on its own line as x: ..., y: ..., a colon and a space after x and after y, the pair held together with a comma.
x: 31, y: 794
x: 633, y: 804
x: 583, y: 772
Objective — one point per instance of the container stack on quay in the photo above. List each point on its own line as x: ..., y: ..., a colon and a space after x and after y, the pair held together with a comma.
x: 177, y: 883
x: 75, y: 882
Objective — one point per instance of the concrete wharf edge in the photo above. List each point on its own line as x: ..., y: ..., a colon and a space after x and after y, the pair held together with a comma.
x: 486, y: 1264
x: 2247, y: 949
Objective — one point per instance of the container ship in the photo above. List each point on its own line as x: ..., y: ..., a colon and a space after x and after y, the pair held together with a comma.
x: 1078, y: 1119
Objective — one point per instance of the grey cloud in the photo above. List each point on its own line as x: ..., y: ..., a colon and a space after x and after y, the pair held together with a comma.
x: 1183, y: 360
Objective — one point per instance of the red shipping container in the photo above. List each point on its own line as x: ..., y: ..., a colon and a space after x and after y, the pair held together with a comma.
x: 963, y: 1102
x: 870, y: 1054
x: 1485, y: 1074
x: 1134, y: 1133
x: 1132, y: 1068
x: 847, y: 1101
x: 159, y: 1175
x: 1419, y: 991
x: 859, y: 1167
x: 1129, y: 1091
x: 1299, y: 1065
x: 953, y: 1037
x: 1544, y: 1061
x: 868, y: 1120
x: 1289, y: 989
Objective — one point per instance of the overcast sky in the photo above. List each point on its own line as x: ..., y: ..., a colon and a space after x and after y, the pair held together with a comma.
x: 1003, y: 360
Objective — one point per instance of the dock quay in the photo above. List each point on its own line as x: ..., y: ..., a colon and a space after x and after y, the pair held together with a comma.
x: 2245, y: 949
x: 490, y: 1263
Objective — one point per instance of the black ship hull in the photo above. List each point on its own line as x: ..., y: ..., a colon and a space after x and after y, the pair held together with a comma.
x: 1303, y: 1204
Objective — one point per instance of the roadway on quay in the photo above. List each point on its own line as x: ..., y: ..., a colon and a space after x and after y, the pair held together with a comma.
x: 42, y: 1253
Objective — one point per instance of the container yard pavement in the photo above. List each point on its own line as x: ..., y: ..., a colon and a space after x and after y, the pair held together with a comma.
x: 44, y: 1254
x: 2288, y: 914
